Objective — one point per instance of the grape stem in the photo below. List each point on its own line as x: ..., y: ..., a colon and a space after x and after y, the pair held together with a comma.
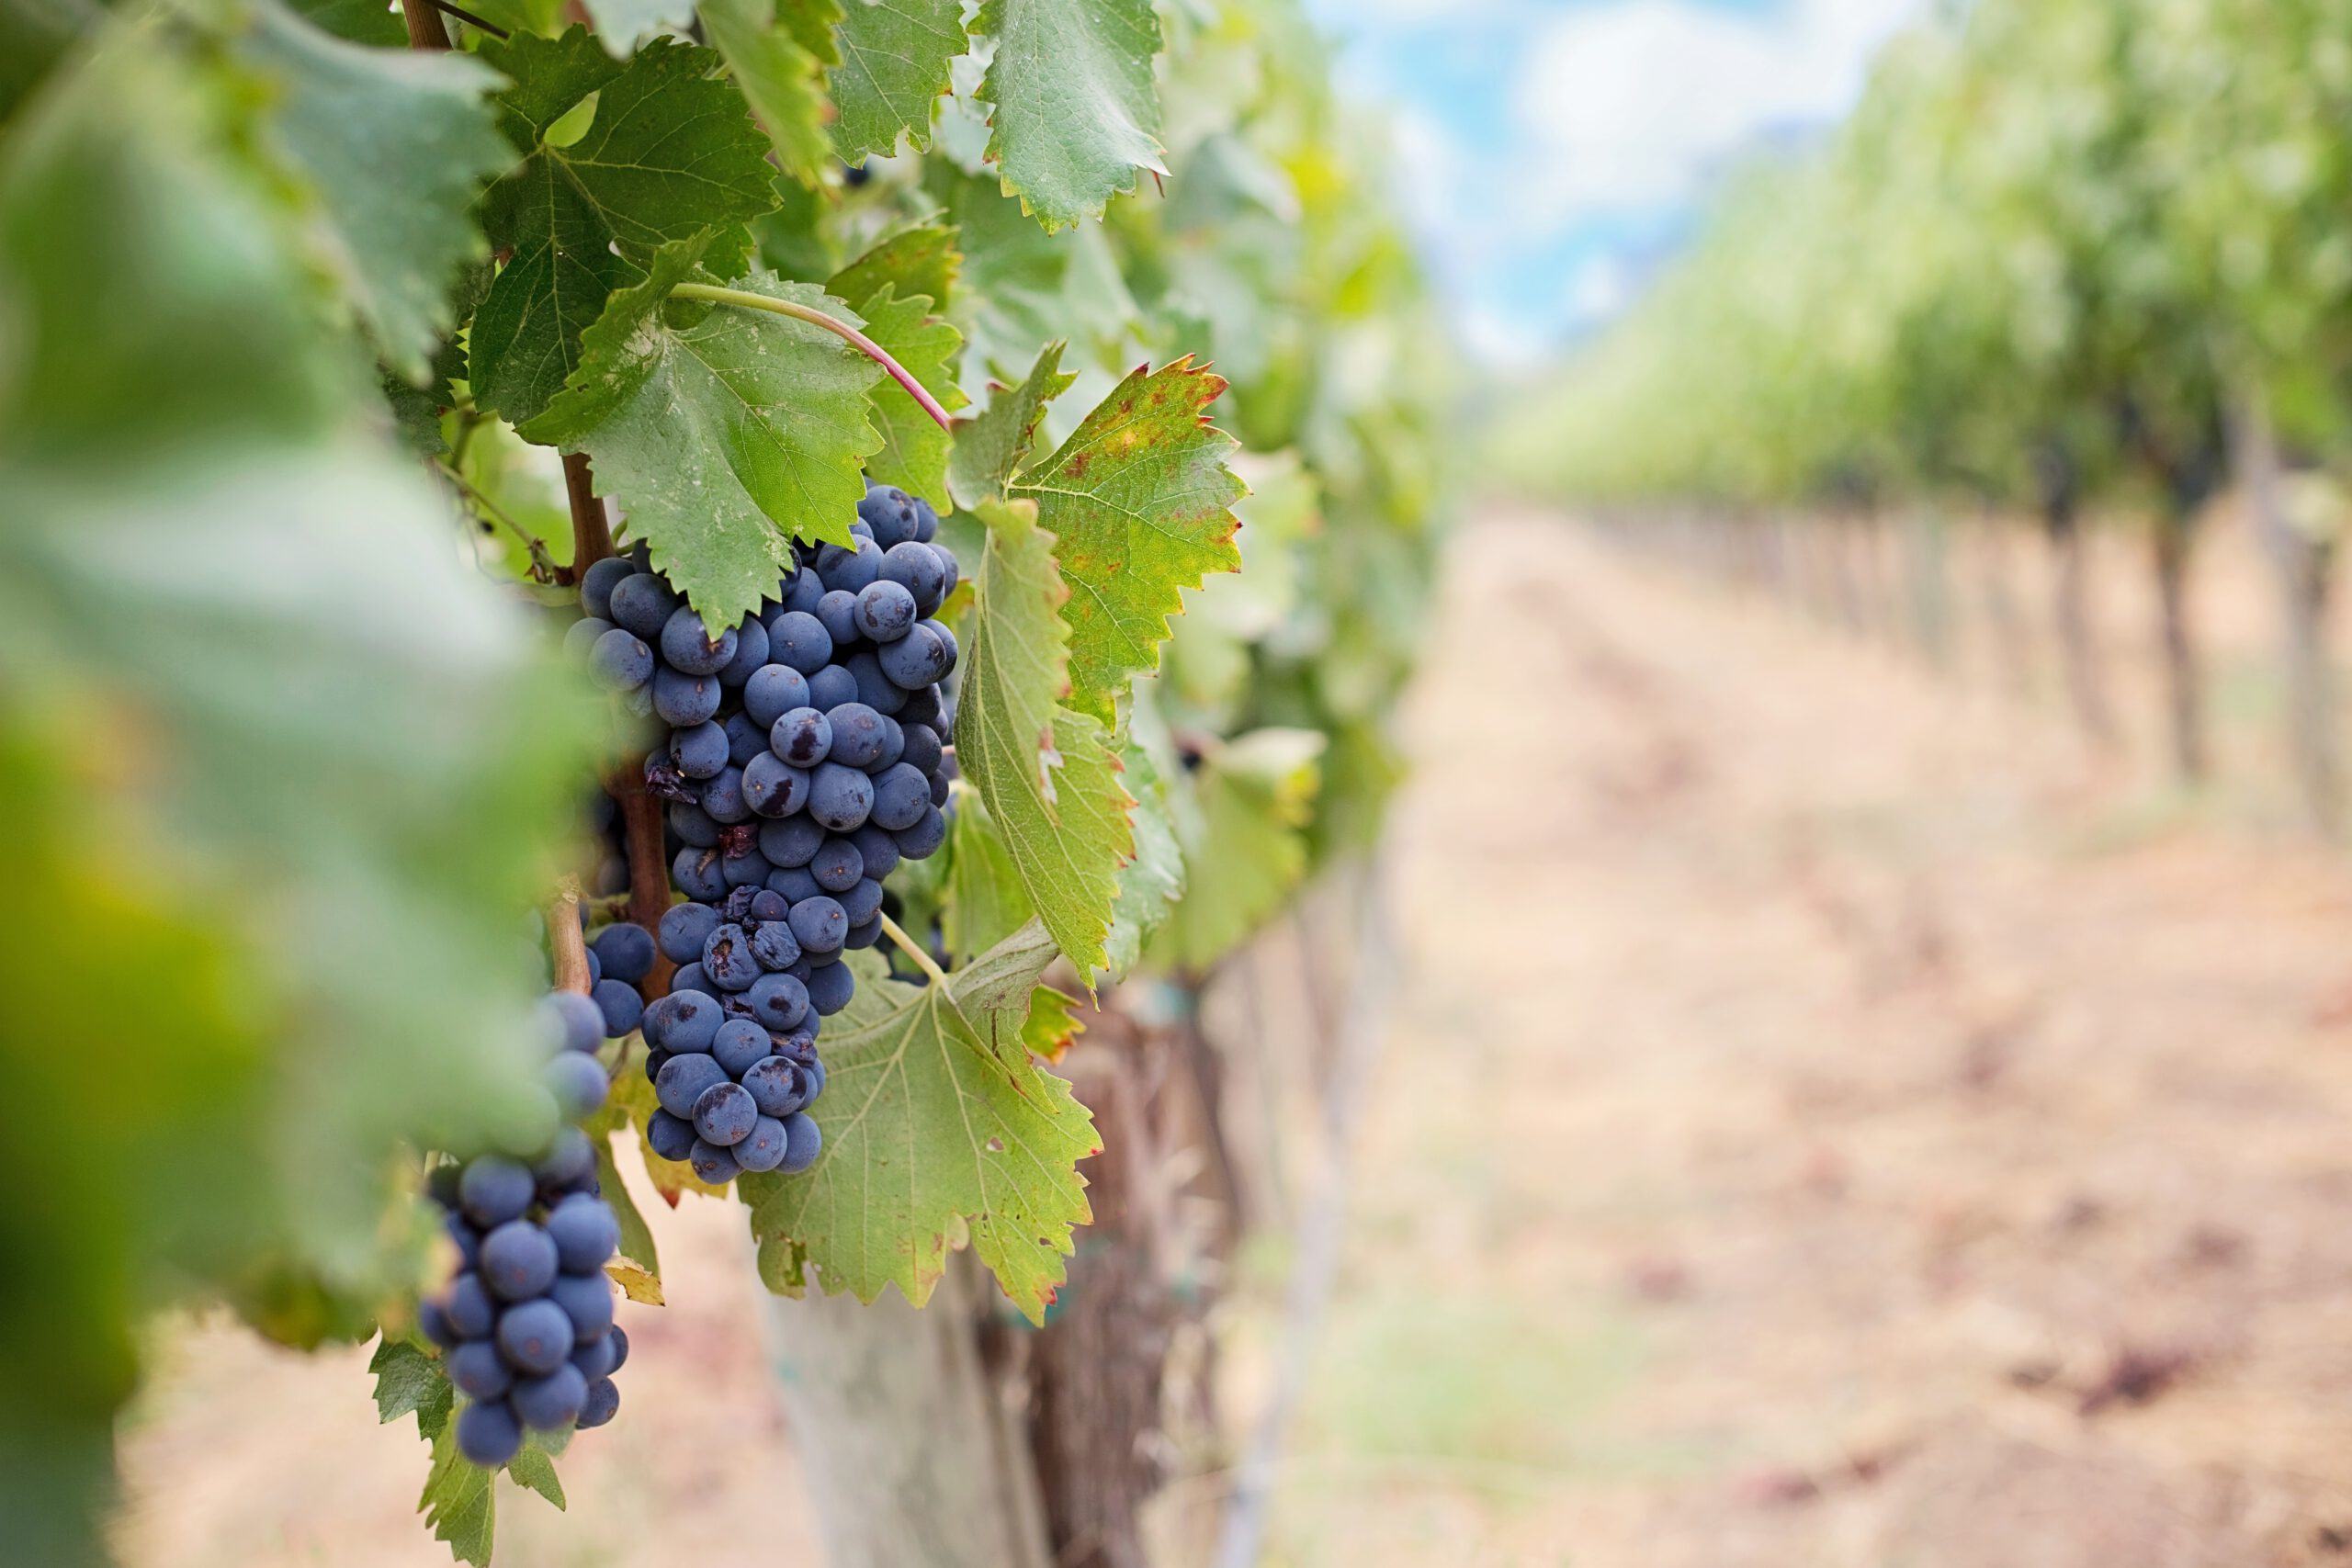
x: 923, y: 961
x: 542, y: 564
x: 566, y: 942
x: 815, y: 318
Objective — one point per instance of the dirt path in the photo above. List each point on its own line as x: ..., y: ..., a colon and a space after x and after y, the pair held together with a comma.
x: 1827, y: 1126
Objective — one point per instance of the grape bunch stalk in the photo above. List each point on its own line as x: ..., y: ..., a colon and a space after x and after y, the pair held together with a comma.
x: 526, y: 1327
x: 807, y: 755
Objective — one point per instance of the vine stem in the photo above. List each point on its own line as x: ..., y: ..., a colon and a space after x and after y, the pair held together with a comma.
x: 815, y: 318
x: 543, y: 565
x: 592, y: 526
x: 425, y: 30
x: 565, y: 940
x: 923, y: 961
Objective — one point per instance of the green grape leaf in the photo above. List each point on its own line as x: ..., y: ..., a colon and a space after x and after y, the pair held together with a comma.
x: 985, y: 900
x: 533, y: 1469
x: 779, y: 77
x: 894, y: 56
x: 636, y: 1268
x: 1244, y: 847
x: 914, y: 448
x: 409, y: 1381
x: 459, y: 1500
x: 1046, y: 774
x: 1139, y: 503
x: 928, y: 1134
x: 667, y: 152
x: 1076, y: 112
x: 392, y: 149
x: 621, y: 23
x: 1052, y: 1024
x: 722, y: 438
x: 361, y: 21
x: 917, y: 260
x: 991, y: 445
x: 996, y: 989
x: 1151, y: 884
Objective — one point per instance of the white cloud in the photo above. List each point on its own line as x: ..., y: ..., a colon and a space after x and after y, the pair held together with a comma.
x: 1630, y: 107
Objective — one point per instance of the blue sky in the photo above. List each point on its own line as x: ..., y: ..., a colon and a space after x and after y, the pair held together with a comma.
x: 1553, y: 152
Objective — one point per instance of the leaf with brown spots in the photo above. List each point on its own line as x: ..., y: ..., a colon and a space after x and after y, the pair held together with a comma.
x: 1140, y: 503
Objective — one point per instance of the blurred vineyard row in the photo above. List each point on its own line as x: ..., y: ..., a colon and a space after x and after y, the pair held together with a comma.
x: 2072, y: 264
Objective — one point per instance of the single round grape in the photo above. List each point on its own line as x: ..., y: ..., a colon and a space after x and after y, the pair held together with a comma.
x: 621, y: 1006
x: 840, y: 797
x: 750, y: 653
x: 741, y: 1041
x: 900, y: 797
x: 837, y: 614
x: 777, y: 1086
x: 774, y: 788
x: 875, y: 688
x: 726, y: 959
x: 846, y: 572
x: 778, y: 1001
x: 625, y: 950
x: 479, y: 1372
x: 831, y: 687
x: 818, y: 925
x: 793, y: 884
x: 587, y: 1301
x: 802, y: 736
x: 620, y: 660
x: 885, y: 611
x: 745, y: 740
x: 915, y: 568
x: 685, y: 927
x: 699, y: 874
x: 699, y: 752
x: 685, y: 1079
x: 569, y: 1162
x: 603, y: 1402
x: 669, y: 1135
x: 534, y: 1336
x: 926, y: 522
x: 745, y: 867
x: 713, y: 1164
x: 723, y: 799
x: 597, y: 1357
x: 694, y: 826
x: 792, y: 841
x: 830, y: 985
x: 584, y: 1231
x: 724, y: 1114
x: 877, y: 851
x: 596, y: 584
x: 571, y: 1020
x: 488, y: 1434
x: 544, y: 1404
x: 860, y: 901
x: 802, y: 1143
x: 467, y: 1306
x: 684, y: 700
x: 580, y: 637
x: 857, y: 735
x: 518, y: 1261
x: 690, y: 977
x: 922, y: 751
x: 763, y: 1147
x: 465, y: 1238
x: 923, y: 707
x: 802, y: 589
x: 941, y: 787
x: 643, y: 603
x: 434, y: 1323
x: 917, y: 659
x: 889, y: 512
x: 577, y: 1083
x: 618, y: 1339
x: 496, y: 1189
x: 838, y: 867
x: 688, y: 645
x: 923, y: 840
x: 766, y: 905
x: 773, y: 691
x: 863, y: 935
x: 801, y: 641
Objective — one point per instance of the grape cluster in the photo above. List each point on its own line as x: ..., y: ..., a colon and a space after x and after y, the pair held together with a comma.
x: 806, y: 754
x: 526, y: 1328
